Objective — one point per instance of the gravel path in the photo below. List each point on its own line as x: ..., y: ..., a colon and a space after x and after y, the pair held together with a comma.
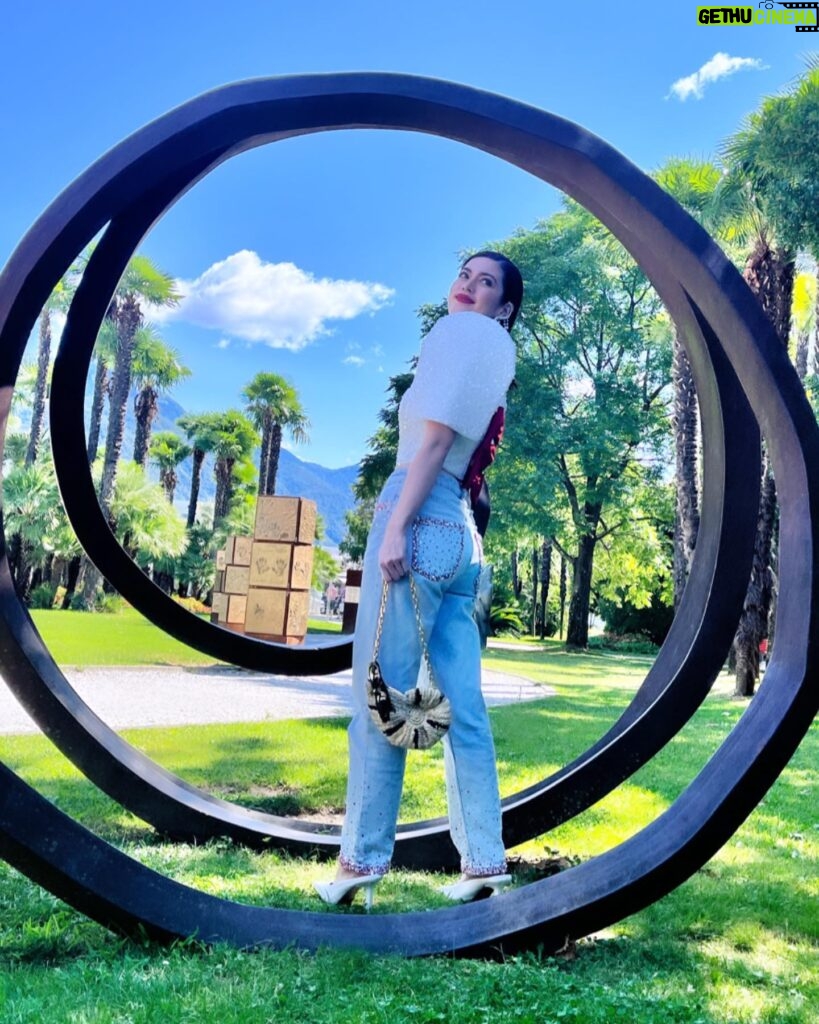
x: 134, y: 697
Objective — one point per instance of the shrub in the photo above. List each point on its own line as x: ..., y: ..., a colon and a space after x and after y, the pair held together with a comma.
x: 192, y: 604
x: 43, y: 596
x: 623, y: 643
x: 506, y: 620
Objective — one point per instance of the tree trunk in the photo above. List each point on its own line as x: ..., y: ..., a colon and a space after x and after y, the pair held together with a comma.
x: 770, y: 275
x: 145, y: 412
x: 801, y: 359
x: 753, y: 624
x: 534, y: 589
x: 168, y: 480
x: 129, y: 318
x: 97, y: 402
x: 196, y: 476
x: 221, y: 503
x: 14, y: 554
x: 38, y: 408
x: 164, y: 580
x: 545, y: 573
x: 275, y: 451
x: 562, y: 596
x: 71, y: 578
x: 577, y: 634
x: 20, y: 566
x: 265, y: 478
x: 517, y: 584
x: 686, y: 444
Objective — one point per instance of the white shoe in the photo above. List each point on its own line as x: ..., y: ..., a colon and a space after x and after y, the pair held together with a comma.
x: 343, y: 890
x: 471, y: 888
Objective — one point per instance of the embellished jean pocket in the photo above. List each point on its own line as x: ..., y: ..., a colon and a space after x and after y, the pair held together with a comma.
x: 437, y: 547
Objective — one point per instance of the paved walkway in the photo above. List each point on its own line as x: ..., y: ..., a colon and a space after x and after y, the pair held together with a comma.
x: 133, y: 697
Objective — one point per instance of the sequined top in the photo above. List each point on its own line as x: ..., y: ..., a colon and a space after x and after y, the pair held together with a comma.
x: 466, y: 365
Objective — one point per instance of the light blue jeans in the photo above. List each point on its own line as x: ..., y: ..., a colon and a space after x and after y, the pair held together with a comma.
x: 445, y: 552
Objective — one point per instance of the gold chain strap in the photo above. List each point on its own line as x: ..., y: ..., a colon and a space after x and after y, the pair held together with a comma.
x: 380, y: 626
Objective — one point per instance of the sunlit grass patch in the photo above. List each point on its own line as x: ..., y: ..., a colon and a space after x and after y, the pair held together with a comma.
x: 738, y: 942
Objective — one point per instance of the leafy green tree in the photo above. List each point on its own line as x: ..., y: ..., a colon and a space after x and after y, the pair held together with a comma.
x: 273, y: 405
x: 156, y: 369
x: 587, y: 425
x: 325, y: 569
x: 167, y: 450
x: 374, y: 469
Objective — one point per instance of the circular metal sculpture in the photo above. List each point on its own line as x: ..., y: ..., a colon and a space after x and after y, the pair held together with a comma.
x: 743, y: 377
x: 677, y: 683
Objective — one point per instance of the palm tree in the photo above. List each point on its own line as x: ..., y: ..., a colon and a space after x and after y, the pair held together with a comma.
x: 769, y: 271
x: 201, y: 430
x: 155, y: 370
x: 693, y: 184
x: 15, y: 448
x: 274, y: 406
x: 141, y: 283
x: 31, y: 512
x: 147, y: 527
x: 167, y: 451
x: 58, y: 301
x: 233, y: 441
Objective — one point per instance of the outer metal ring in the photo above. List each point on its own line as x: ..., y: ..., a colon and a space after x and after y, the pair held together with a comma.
x: 728, y: 339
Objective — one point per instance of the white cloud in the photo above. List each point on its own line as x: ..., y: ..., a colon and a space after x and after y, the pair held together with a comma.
x: 277, y: 304
x: 223, y: 343
x: 354, y: 360
x: 719, y: 66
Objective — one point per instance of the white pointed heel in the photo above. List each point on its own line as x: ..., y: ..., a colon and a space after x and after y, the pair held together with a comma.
x: 470, y: 888
x: 343, y: 890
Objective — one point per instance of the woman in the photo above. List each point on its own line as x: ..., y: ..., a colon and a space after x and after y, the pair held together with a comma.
x: 423, y: 524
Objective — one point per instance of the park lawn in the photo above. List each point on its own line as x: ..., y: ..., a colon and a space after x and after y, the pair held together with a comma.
x: 121, y: 638
x: 736, y: 943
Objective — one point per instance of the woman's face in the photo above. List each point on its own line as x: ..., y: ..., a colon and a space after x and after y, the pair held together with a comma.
x: 478, y: 288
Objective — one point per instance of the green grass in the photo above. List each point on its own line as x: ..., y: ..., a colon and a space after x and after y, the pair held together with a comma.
x: 122, y: 638
x: 735, y: 944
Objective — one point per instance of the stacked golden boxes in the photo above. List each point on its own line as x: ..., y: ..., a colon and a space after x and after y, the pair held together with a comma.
x: 263, y: 582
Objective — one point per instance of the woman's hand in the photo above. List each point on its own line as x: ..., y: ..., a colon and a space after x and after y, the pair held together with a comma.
x: 392, y: 555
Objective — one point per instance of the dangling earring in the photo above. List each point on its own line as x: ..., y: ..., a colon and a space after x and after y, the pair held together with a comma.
x: 504, y: 322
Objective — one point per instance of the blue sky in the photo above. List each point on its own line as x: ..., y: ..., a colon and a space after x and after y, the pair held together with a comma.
x: 309, y: 257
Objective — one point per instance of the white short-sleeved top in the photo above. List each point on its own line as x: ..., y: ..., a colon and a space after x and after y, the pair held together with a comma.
x: 466, y: 365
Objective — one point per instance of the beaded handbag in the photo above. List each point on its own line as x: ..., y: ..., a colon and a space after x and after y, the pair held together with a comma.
x: 415, y: 718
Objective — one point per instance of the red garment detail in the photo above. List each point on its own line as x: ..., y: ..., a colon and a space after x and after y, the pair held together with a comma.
x: 484, y: 455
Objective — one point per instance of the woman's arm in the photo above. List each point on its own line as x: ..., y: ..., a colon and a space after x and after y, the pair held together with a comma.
x: 421, y: 473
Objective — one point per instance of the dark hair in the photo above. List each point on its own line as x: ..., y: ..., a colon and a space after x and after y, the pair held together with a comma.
x: 511, y: 280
